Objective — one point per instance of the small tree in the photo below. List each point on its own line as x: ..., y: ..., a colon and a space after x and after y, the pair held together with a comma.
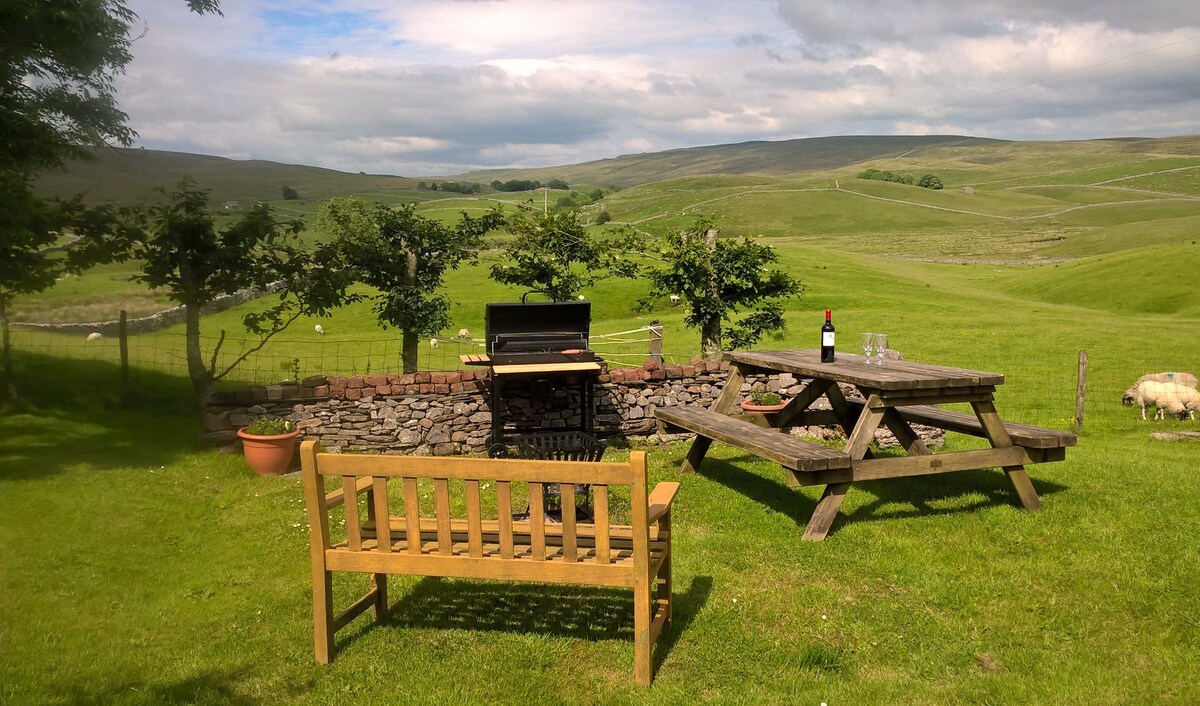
x: 290, y: 194
x: 718, y: 278
x: 182, y: 251
x: 554, y: 253
x: 930, y: 181
x: 405, y: 256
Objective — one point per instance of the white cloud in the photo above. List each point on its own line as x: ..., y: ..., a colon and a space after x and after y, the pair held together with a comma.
x: 442, y: 86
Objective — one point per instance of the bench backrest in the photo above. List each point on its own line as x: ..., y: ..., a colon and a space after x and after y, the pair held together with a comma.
x: 484, y: 482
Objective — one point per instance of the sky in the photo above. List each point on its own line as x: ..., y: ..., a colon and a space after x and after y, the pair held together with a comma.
x: 440, y: 87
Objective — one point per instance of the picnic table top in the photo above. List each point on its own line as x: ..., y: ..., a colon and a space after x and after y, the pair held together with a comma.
x: 851, y: 368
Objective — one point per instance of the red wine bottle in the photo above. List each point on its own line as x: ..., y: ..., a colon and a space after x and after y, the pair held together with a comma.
x: 827, y: 339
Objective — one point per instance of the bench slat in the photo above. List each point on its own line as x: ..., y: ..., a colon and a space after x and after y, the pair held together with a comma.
x: 474, y: 533
x: 600, y: 508
x: 788, y: 451
x: 964, y: 423
x: 441, y: 488
x: 382, y: 515
x: 353, y: 523
x: 412, y: 512
x: 504, y: 508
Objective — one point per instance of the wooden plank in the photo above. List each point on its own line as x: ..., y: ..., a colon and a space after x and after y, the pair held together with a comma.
x: 353, y: 522
x: 463, y: 566
x: 317, y: 512
x: 787, y: 450
x: 825, y: 512
x: 412, y: 514
x: 1021, y: 434
x: 930, y: 464
x: 537, y: 520
x: 469, y: 468
x: 660, y: 499
x: 567, y: 503
x: 600, y: 510
x: 536, y: 368
x: 441, y: 490
x: 849, y: 368
x: 504, y: 513
x: 336, y: 497
x: 383, y: 529
x: 474, y: 532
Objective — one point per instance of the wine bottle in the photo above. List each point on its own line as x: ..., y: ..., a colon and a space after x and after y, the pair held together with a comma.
x: 827, y: 336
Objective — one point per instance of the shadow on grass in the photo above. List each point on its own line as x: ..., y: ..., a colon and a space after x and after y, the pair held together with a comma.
x: 917, y: 496
x: 71, y: 412
x: 210, y: 687
x: 584, y: 612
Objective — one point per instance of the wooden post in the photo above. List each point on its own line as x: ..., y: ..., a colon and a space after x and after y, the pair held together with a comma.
x: 1080, y: 386
x: 123, y: 335
x: 656, y: 338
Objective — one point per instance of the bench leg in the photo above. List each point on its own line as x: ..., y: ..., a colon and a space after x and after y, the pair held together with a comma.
x: 664, y: 575
x: 643, y: 645
x: 379, y: 610
x: 323, y: 615
x: 1024, y: 487
x: 696, y: 454
x: 827, y: 509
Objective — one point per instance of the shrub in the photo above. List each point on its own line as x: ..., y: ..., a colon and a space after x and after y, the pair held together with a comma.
x: 270, y: 426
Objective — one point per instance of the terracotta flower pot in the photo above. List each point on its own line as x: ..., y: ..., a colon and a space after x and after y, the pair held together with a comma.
x: 268, y: 455
x: 749, y: 406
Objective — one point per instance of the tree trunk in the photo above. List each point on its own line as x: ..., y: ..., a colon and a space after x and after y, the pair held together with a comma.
x: 10, y: 384
x: 710, y: 330
x: 199, y: 374
x: 408, y: 353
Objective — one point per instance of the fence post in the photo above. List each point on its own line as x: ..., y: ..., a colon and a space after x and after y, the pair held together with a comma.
x: 656, y: 341
x: 1081, y: 385
x: 123, y: 334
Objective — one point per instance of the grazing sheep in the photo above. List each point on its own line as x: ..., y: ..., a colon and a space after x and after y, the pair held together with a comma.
x: 1176, y: 398
x: 319, y: 329
x: 433, y: 343
x: 674, y: 300
x: 464, y: 333
x: 94, y: 336
x: 1182, y: 378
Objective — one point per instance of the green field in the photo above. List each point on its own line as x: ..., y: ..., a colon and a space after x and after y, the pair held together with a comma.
x: 139, y: 568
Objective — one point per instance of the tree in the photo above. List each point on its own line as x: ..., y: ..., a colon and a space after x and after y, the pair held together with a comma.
x: 182, y: 251
x: 58, y: 61
x: 290, y: 194
x: 930, y: 181
x: 718, y: 278
x: 554, y: 253
x: 405, y: 256
x: 558, y: 184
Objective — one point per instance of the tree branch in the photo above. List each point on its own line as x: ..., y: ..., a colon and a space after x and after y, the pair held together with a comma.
x: 262, y: 342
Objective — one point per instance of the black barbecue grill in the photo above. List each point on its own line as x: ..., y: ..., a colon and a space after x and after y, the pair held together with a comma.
x: 525, y: 339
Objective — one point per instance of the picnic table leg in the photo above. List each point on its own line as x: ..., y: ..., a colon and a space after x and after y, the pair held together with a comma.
x: 825, y: 512
x: 723, y: 403
x: 993, y: 426
x: 695, y: 454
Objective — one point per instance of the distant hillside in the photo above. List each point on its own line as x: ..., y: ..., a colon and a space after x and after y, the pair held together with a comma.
x: 122, y: 175
x: 772, y: 158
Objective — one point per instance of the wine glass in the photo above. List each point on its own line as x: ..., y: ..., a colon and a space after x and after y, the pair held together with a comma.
x: 881, y: 346
x: 868, y: 345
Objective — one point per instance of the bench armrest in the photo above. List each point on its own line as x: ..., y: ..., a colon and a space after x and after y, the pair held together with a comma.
x: 334, y: 497
x: 660, y: 500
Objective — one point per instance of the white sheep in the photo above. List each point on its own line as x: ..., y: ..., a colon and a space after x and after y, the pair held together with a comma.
x: 433, y: 343
x: 1176, y: 398
x: 464, y: 333
x: 1182, y: 378
x: 94, y: 336
x: 674, y: 299
x: 319, y: 329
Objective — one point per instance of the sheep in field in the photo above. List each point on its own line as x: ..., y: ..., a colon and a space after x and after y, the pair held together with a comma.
x: 674, y: 299
x: 1173, y: 397
x: 319, y: 329
x: 1182, y: 378
x: 433, y: 343
x: 94, y: 336
x: 464, y: 333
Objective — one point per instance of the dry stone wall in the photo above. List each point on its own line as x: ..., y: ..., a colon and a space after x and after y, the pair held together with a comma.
x: 444, y: 413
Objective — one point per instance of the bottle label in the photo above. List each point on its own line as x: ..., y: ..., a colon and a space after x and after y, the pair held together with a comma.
x: 827, y: 338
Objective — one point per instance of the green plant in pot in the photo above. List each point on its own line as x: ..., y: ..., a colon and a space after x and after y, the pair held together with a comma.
x: 763, y: 400
x: 269, y: 443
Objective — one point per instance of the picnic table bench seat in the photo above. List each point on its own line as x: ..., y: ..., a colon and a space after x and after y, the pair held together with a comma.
x: 1025, y: 435
x: 788, y: 451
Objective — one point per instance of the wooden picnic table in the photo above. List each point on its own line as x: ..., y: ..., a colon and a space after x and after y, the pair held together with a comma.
x: 895, y: 395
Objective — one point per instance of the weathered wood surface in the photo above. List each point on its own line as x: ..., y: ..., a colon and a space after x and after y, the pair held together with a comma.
x: 964, y: 423
x: 540, y: 368
x: 378, y: 542
x: 788, y: 451
x: 849, y: 368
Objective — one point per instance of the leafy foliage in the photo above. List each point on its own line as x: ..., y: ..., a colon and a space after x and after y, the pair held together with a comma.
x: 556, y: 254
x: 405, y: 256
x: 289, y: 193
x: 930, y: 181
x: 878, y: 175
x: 270, y: 426
x: 719, y: 278
x: 516, y: 185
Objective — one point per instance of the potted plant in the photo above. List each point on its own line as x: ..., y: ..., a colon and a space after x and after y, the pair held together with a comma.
x: 269, y: 444
x: 762, y: 401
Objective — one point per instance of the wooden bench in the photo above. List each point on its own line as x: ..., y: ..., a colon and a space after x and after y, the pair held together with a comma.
x: 396, y: 535
x: 788, y: 451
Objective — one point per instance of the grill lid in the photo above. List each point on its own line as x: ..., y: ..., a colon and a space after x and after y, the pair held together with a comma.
x: 537, y: 326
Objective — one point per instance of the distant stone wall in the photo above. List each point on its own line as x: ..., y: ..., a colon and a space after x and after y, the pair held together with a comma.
x: 444, y: 413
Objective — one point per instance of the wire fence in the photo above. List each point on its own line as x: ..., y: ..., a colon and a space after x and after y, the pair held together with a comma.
x: 1040, y: 391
